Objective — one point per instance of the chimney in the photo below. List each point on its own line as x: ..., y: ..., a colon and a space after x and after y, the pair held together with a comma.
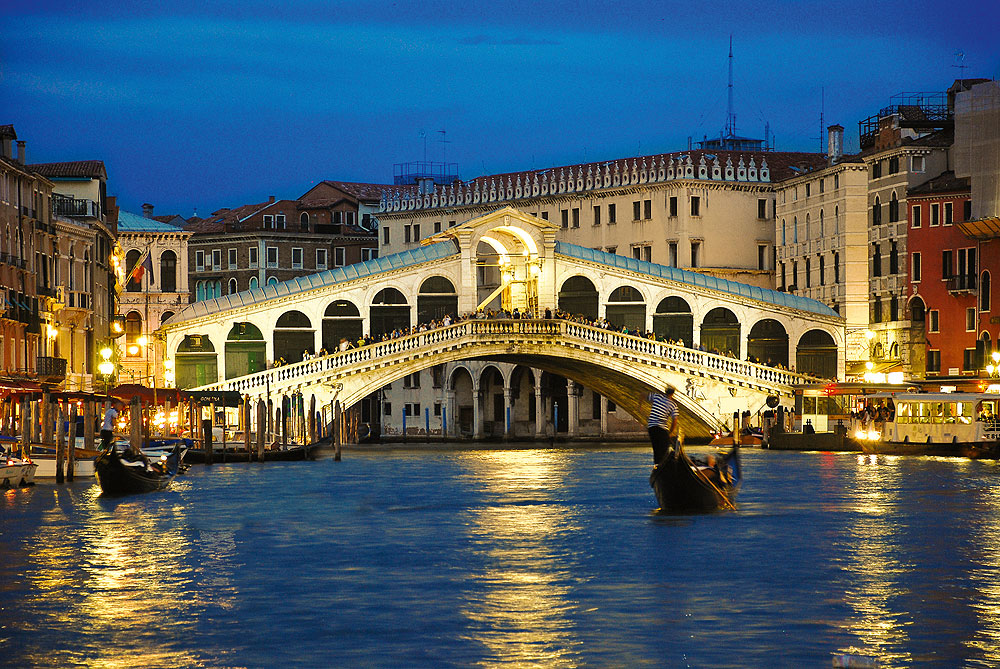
x: 22, y: 152
x: 835, y: 143
x: 147, y: 210
x: 270, y: 199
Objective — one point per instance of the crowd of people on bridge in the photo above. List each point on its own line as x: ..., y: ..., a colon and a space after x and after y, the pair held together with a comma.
x: 516, y: 314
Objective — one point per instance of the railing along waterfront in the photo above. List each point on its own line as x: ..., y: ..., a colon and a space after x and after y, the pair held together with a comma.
x: 648, y: 350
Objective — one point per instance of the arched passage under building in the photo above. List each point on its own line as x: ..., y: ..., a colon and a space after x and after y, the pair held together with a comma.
x: 720, y: 332
x: 627, y: 309
x: 341, y: 320
x: 437, y: 298
x: 816, y: 354
x: 674, y: 321
x: 389, y: 311
x: 767, y: 343
x: 246, y: 350
x: 196, y: 361
x: 578, y: 296
x: 293, y: 336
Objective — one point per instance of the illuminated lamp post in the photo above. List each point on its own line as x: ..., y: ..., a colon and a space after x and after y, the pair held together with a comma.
x: 106, y: 368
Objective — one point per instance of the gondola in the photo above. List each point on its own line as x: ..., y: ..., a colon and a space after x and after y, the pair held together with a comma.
x: 683, y: 484
x: 119, y: 476
x: 304, y: 452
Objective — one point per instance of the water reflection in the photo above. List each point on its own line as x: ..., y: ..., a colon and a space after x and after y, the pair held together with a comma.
x: 874, y: 571
x: 985, y: 530
x: 520, y: 608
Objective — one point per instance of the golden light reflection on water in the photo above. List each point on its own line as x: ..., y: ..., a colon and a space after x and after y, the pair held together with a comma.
x: 131, y: 563
x: 521, y: 607
x: 986, y: 538
x: 874, y: 572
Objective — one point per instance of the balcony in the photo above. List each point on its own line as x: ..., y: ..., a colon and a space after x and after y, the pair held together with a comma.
x: 962, y: 284
x: 75, y: 207
x: 50, y: 370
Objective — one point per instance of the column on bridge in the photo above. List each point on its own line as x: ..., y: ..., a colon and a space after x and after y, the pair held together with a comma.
x: 604, y: 416
x: 573, y: 399
x: 507, y: 409
x: 477, y: 412
x: 539, y: 406
x: 450, y: 414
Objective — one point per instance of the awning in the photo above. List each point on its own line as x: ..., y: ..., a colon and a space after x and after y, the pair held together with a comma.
x: 148, y: 395
x: 227, y: 398
x: 19, y: 386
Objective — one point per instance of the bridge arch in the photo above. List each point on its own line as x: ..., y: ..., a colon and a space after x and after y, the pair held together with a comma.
x: 293, y: 336
x: 341, y: 320
x: 767, y: 343
x: 674, y: 321
x: 246, y: 350
x: 626, y: 307
x: 196, y: 361
x: 816, y: 353
x: 436, y: 299
x: 720, y: 331
x: 578, y: 295
x: 388, y: 311
x: 462, y: 388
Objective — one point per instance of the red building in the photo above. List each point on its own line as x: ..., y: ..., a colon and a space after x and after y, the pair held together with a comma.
x: 944, y: 277
x: 985, y: 233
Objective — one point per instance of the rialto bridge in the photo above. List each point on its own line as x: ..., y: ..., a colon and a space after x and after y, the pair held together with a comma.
x: 710, y: 332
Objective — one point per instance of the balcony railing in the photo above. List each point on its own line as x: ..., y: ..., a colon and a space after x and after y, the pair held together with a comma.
x: 70, y: 206
x: 962, y: 284
x: 50, y: 369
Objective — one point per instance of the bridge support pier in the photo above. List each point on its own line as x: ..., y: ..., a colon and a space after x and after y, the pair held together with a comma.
x: 573, y: 400
x: 449, y: 405
x: 507, y: 413
x: 477, y: 413
x: 539, y: 407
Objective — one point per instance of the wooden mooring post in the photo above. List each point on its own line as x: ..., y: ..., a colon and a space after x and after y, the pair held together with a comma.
x: 60, y: 441
x: 71, y: 451
x: 261, y: 428
x: 337, y: 431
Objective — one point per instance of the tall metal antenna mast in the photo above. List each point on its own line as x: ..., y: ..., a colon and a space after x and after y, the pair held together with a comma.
x: 730, y: 116
x: 822, y: 104
x: 444, y: 147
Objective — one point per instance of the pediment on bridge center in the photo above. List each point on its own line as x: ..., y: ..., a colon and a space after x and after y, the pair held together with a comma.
x: 504, y: 217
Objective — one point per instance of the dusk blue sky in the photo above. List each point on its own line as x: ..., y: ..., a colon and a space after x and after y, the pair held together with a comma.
x: 213, y: 104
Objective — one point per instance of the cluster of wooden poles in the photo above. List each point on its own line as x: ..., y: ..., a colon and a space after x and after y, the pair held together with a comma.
x: 53, y: 421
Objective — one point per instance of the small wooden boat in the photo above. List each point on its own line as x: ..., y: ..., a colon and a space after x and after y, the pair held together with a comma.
x: 688, y: 485
x: 119, y: 476
x: 15, y: 472
x: 749, y: 438
x: 304, y: 452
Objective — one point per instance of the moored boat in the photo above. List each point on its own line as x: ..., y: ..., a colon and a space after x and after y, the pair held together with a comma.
x: 682, y: 483
x: 119, y: 476
x: 302, y: 452
x: 15, y: 472
x: 946, y: 424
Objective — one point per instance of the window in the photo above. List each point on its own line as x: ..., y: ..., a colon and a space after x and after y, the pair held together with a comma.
x: 451, y: 224
x: 935, y: 215
x: 576, y: 217
x: 612, y: 218
x: 253, y: 283
x: 304, y: 221
x: 893, y: 310
x: 877, y: 169
x: 894, y: 165
x: 385, y: 235
x: 877, y: 309
x: 970, y: 319
x: 695, y: 252
x: 967, y: 265
x: 967, y: 210
x: 338, y: 218
x: 795, y: 229
x: 597, y: 215
x: 822, y: 185
x: 647, y: 253
x: 795, y: 275
x: 232, y: 287
x: 232, y: 258
x: 339, y: 256
x: 637, y: 252
x: 168, y: 272
x: 672, y: 253
x: 412, y: 410
x: 369, y: 254
x: 296, y: 258
x: 545, y: 215
x: 917, y: 164
x: 836, y: 268
x: 387, y: 409
x: 915, y: 266
x: 437, y: 409
x: 272, y: 256
x: 984, y: 292
x: 948, y: 219
x: 761, y: 208
x: 695, y: 206
x: 782, y: 232
x: 564, y: 217
x: 762, y: 256
x: 808, y: 189
x: 216, y: 258
x: 808, y: 274
x: 822, y: 230
x: 893, y: 209
x: 783, y: 282
x: 416, y: 232
x: 673, y: 206
x: 199, y: 260
x: 822, y: 271
x: 268, y: 221
x: 915, y: 216
x: 636, y: 210
x: 279, y: 222
x: 946, y: 264
x: 647, y: 209
x: 407, y: 233
x: 893, y: 258
x: 933, y: 320
x: 321, y: 258
x: 253, y: 256
x: 933, y: 360
x: 412, y: 380
x: 437, y: 227
x: 876, y: 260
x: 877, y: 212
x: 612, y: 250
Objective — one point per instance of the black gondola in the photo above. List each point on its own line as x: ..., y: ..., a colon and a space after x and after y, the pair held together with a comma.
x: 687, y: 485
x: 294, y: 453
x: 118, y: 476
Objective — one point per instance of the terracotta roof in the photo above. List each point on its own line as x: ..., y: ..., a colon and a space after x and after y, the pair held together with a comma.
x: 322, y: 203
x: 364, y: 191
x: 93, y: 169
x: 217, y: 221
x: 946, y: 182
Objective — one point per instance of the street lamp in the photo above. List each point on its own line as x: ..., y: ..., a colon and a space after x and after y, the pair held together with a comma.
x: 168, y: 373
x: 106, y: 368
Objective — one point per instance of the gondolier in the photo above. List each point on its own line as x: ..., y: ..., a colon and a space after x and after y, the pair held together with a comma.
x: 662, y: 423
x: 108, y: 426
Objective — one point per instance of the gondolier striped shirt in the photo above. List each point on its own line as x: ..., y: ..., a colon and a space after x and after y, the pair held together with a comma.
x: 662, y: 412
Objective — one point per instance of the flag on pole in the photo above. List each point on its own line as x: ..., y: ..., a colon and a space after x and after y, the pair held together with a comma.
x: 142, y: 265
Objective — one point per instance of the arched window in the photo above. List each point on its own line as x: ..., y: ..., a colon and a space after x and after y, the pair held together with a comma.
x: 836, y: 220
x: 893, y: 208
x: 795, y: 229
x: 168, y: 272
x: 272, y: 281
x: 133, y: 330
x: 253, y: 282
x: 782, y: 231
x: 807, y: 237
x: 131, y: 258
x: 166, y: 316
x: 199, y: 291
x: 822, y: 232
x: 304, y: 221
x: 984, y: 292
x: 877, y: 212
x: 232, y: 287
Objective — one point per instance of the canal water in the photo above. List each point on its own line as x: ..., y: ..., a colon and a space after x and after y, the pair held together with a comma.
x: 549, y: 558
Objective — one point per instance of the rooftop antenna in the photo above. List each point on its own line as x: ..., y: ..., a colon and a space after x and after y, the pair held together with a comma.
x: 444, y: 147
x: 730, y: 115
x: 423, y: 136
x: 822, y: 105
x: 960, y: 63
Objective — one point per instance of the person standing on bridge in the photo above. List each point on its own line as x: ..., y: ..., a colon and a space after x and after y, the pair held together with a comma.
x: 662, y: 423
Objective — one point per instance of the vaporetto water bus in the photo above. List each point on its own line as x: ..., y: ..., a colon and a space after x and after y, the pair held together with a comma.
x: 949, y: 424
